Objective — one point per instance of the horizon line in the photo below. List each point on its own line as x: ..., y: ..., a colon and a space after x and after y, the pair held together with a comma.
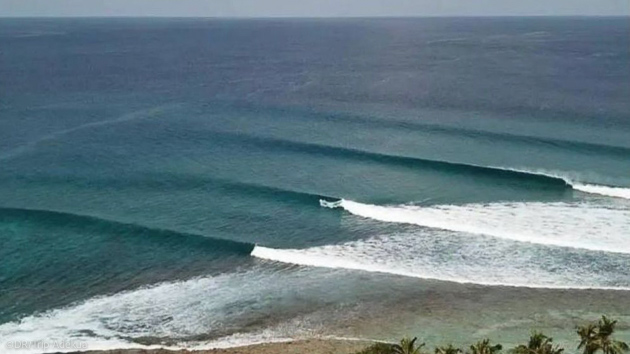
x: 309, y: 17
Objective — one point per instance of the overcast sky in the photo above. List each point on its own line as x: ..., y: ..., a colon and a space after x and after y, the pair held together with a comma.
x: 311, y: 8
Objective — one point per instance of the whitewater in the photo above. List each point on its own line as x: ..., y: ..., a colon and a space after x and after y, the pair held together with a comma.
x: 607, y: 191
x: 523, y: 244
x: 557, y: 224
x: 180, y: 309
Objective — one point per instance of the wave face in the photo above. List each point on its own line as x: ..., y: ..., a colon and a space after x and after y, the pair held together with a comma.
x: 338, y: 152
x: 589, y: 188
x: 584, y: 226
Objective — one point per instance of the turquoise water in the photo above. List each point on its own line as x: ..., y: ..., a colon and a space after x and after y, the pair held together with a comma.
x: 216, y: 182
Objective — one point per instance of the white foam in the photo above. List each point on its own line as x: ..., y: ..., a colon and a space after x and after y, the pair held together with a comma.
x: 101, y: 317
x: 490, y: 244
x: 616, y: 192
x: 168, y: 310
x: 584, y: 226
x: 449, y: 256
x: 184, y: 310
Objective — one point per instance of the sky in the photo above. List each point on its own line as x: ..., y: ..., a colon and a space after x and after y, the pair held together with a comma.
x: 312, y: 8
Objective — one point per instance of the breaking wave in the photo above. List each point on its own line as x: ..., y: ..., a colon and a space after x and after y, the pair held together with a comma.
x: 583, y: 226
x: 616, y: 192
x: 589, y: 188
x: 493, y: 265
x: 539, y: 245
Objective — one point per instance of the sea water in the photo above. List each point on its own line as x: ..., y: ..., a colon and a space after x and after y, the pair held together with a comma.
x: 206, y: 182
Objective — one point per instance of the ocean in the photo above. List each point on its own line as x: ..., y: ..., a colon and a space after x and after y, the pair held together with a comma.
x: 209, y: 182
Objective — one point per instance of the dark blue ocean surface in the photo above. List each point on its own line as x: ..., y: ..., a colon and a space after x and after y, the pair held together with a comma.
x: 205, y: 181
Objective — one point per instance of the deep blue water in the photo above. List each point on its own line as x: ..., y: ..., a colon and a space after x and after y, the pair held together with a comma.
x: 160, y: 179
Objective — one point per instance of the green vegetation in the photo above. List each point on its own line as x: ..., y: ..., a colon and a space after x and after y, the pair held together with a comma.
x: 449, y: 349
x: 538, y: 344
x: 407, y: 346
x: 595, y: 338
x: 378, y: 348
x: 484, y: 347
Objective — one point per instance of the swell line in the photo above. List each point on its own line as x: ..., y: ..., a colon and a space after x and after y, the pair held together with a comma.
x: 71, y: 220
x: 168, y: 181
x: 546, y: 179
x: 586, y: 147
x: 406, y: 125
x: 406, y: 161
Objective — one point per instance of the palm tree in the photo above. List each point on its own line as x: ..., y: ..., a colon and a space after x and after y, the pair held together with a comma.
x: 606, y: 326
x: 407, y: 346
x: 588, y: 338
x: 450, y: 349
x: 598, y: 337
x: 484, y: 347
x: 538, y: 344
